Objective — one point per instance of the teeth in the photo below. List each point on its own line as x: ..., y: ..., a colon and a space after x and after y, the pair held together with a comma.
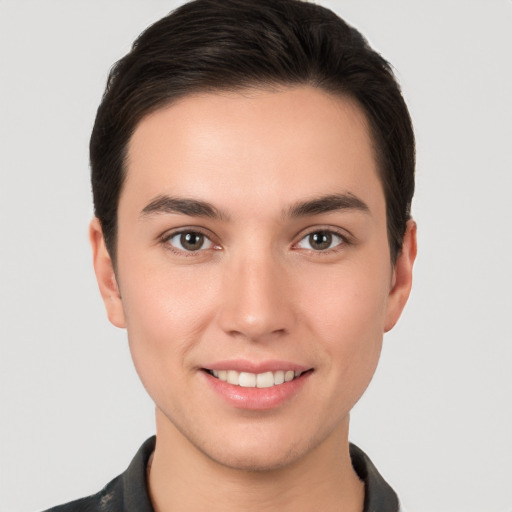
x: 233, y: 377
x: 265, y: 380
x: 247, y: 380
x: 279, y: 377
x: 255, y: 380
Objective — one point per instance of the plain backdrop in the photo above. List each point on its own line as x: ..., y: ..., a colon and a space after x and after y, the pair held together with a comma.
x: 437, y: 418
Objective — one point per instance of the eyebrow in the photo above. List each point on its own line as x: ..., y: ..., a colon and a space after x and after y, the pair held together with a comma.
x: 183, y: 206
x: 327, y: 204
x: 197, y: 208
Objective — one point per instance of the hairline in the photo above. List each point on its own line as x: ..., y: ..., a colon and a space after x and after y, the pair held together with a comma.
x: 257, y: 86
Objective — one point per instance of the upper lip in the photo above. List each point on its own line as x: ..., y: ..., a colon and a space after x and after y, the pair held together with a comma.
x: 243, y: 365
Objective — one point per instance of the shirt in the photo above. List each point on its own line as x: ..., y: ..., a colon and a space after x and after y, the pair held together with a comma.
x: 129, y: 491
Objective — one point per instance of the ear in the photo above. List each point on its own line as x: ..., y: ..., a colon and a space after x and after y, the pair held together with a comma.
x: 105, y: 275
x: 402, y: 277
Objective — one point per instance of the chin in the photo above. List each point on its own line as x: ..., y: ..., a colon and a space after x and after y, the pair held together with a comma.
x: 259, y: 450
x: 257, y: 460
x: 264, y: 444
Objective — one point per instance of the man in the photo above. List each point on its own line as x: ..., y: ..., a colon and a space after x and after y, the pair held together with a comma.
x: 252, y: 169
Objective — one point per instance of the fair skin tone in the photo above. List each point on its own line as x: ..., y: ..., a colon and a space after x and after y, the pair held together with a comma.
x: 252, y: 239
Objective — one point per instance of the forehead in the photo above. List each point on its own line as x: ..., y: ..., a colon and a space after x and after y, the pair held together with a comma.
x: 270, y: 146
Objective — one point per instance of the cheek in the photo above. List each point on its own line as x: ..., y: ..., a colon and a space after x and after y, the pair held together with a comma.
x: 353, y: 296
x: 157, y: 295
x: 346, y: 309
x: 349, y: 318
x: 165, y: 313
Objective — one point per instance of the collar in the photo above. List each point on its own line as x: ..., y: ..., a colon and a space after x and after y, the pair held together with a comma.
x: 379, y: 496
x: 129, y: 491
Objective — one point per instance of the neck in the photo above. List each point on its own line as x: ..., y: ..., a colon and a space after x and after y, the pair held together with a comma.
x: 183, y: 478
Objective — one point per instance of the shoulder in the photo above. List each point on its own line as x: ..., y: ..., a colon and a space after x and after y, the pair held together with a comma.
x: 108, y: 499
x: 127, y: 492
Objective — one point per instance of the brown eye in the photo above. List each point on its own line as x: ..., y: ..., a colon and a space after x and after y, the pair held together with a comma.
x: 190, y: 241
x: 320, y: 241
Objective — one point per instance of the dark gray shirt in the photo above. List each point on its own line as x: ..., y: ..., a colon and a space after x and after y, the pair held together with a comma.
x: 129, y: 491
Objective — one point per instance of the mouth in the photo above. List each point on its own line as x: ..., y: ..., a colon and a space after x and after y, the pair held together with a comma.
x: 256, y: 380
x: 262, y: 386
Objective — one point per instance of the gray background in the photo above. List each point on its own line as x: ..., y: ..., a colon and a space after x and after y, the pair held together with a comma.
x: 437, y: 419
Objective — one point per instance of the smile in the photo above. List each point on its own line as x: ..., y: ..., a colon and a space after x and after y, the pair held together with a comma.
x: 255, y: 380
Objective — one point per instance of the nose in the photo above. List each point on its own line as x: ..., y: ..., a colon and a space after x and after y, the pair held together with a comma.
x: 257, y: 301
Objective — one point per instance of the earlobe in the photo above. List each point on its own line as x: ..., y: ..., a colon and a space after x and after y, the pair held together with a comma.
x: 402, y: 277
x: 105, y: 275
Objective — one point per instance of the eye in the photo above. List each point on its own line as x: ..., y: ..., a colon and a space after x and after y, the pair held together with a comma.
x: 189, y: 241
x: 321, y: 241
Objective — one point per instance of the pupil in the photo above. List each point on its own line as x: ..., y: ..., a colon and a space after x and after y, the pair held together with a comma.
x: 320, y: 240
x: 192, y: 241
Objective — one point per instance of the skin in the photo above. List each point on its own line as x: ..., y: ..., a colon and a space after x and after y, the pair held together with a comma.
x: 257, y: 290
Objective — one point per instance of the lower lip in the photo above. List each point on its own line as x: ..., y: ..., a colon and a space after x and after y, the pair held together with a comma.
x: 258, y: 399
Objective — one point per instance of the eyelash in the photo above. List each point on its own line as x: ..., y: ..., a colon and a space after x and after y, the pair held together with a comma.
x: 166, y: 241
x: 343, y: 237
x: 166, y: 238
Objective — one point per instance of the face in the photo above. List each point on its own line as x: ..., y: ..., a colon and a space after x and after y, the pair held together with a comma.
x: 253, y: 271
